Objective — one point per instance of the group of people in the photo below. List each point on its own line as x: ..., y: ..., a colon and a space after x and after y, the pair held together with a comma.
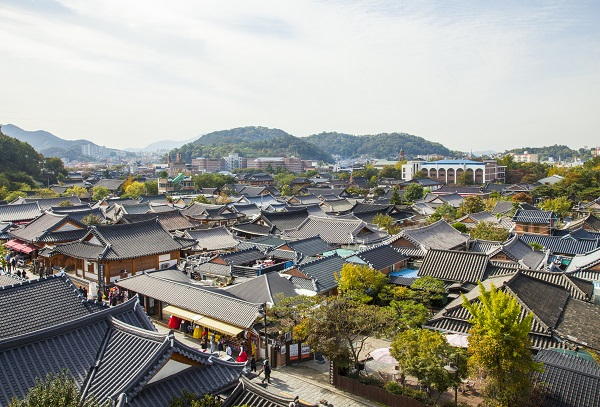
x: 115, y: 296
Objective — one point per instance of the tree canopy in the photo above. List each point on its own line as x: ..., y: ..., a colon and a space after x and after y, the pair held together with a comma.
x: 360, y: 282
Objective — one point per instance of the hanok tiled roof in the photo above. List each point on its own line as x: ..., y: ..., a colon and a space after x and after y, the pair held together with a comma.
x: 336, y: 205
x: 251, y: 191
x: 381, y: 256
x: 456, y: 189
x: 263, y: 243
x: 590, y: 221
x: 565, y: 245
x: 194, y: 298
x: 217, y: 238
x: 160, y: 198
x: 336, y: 231
x: 535, y: 216
x: 264, y: 288
x: 311, y: 246
x: 213, y: 269
x: 502, y: 207
x: 48, y: 203
x: 250, y: 210
x: 580, y: 323
x: 438, y: 235
x: 19, y: 213
x: 454, y: 200
x: 242, y: 257
x: 31, y: 305
x: 254, y: 229
x: 484, y: 246
x: 171, y: 220
x: 110, y: 184
x: 584, y: 261
x: 522, y: 253
x: 48, y: 224
x: 10, y: 279
x: 306, y: 199
x: 455, y: 266
x: 114, y: 242
x: 136, y: 208
x: 252, y: 394
x: 571, y: 381
x: 280, y: 221
x: 480, y: 217
x: 322, y: 272
x: 78, y: 215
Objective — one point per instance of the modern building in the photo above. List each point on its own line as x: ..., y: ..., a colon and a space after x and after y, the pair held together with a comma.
x: 526, y: 157
x: 411, y: 168
x: 203, y: 164
x: 292, y: 164
x: 448, y: 171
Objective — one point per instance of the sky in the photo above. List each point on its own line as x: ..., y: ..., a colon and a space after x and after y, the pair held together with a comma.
x: 472, y: 75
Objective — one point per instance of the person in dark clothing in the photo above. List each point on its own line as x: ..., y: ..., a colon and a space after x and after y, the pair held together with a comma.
x: 100, y: 295
x: 267, y: 371
x: 252, y: 364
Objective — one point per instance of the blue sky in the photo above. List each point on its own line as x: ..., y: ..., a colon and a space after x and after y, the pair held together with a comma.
x: 474, y: 75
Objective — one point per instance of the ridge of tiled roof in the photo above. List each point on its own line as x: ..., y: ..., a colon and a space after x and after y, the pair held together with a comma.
x: 380, y: 256
x: 584, y: 261
x: 438, y: 235
x: 170, y: 220
x: 47, y: 203
x: 536, y: 216
x: 19, y: 212
x: 194, y: 298
x: 578, y: 288
x: 562, y: 244
x: 37, y: 229
x: 449, y: 265
x: 280, y: 221
x: 310, y: 246
x: 322, y: 271
x: 336, y: 230
x: 263, y: 288
x: 252, y: 394
x: 243, y: 256
x: 522, y: 253
x: 213, y: 239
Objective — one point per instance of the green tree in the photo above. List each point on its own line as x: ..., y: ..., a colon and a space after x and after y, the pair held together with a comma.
x: 289, y: 312
x: 201, y: 199
x: 423, y: 354
x: 286, y: 190
x: 386, y: 222
x: 344, y: 176
x: 561, y: 205
x: 522, y: 197
x: 471, y: 204
x: 46, y: 193
x: 500, y: 348
x: 135, y: 189
x: 66, y: 204
x: 464, y: 179
x: 395, y: 199
x: 390, y: 171
x: 151, y: 188
x: 428, y: 291
x: 57, y: 390
x: 80, y: 192
x: 489, y: 231
x: 409, y: 314
x: 360, y: 282
x: 413, y: 191
x: 99, y: 193
x: 461, y: 227
x: 444, y: 211
x: 340, y: 327
x: 3, y: 253
x: 163, y: 174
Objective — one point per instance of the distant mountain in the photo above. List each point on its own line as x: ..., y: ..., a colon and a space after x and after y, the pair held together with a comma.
x: 251, y: 142
x: 163, y: 145
x: 48, y: 144
x: 385, y: 145
x: 556, y: 151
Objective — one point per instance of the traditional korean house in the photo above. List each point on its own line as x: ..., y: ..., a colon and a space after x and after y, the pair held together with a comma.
x: 299, y: 250
x: 586, y: 266
x: 48, y: 229
x: 560, y: 320
x: 170, y: 220
x: 20, y: 214
x: 211, y: 240
x: 271, y: 223
x: 47, y: 203
x: 438, y: 235
x: 110, y: 252
x: 382, y: 257
x: 337, y: 231
x: 519, y: 252
x: 252, y: 394
x: 535, y: 221
x: 317, y: 276
x: 212, y: 215
x: 589, y: 222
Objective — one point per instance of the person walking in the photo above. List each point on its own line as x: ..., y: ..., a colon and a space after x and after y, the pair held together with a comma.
x: 267, y: 371
x: 252, y: 364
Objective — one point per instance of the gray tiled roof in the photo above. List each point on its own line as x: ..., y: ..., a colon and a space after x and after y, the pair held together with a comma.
x: 311, y: 246
x: 263, y: 288
x: 571, y: 380
x: 125, y: 241
x: 80, y: 214
x: 193, y: 298
x: 562, y: 244
x: 280, y: 221
x: 252, y: 229
x: 336, y: 231
x: 10, y: 279
x: 322, y: 271
x: 213, y: 269
x: 48, y: 203
x: 110, y: 184
x: 242, y: 257
x: 484, y: 246
x: 438, y: 235
x: 502, y: 207
x: 381, y: 256
x: 213, y: 239
x: 46, y: 224
x: 455, y: 266
x: 533, y: 216
x: 171, y: 220
x: 584, y: 261
x: 19, y: 213
x: 35, y: 304
x: 252, y: 394
x: 580, y: 322
x: 522, y: 253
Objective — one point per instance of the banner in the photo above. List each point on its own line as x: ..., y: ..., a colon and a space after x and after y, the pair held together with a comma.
x: 293, y: 351
x: 305, y: 349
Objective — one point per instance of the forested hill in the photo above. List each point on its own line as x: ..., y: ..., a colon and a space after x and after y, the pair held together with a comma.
x: 556, y: 151
x: 385, y: 145
x: 251, y: 142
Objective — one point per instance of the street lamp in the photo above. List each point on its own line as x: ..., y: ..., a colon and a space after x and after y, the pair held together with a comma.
x: 453, y: 369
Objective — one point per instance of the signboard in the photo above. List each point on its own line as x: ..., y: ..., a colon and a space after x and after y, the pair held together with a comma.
x: 293, y: 351
x: 305, y: 350
x: 101, y: 279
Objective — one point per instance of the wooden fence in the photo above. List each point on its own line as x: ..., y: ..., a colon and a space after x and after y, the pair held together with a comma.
x: 373, y: 393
